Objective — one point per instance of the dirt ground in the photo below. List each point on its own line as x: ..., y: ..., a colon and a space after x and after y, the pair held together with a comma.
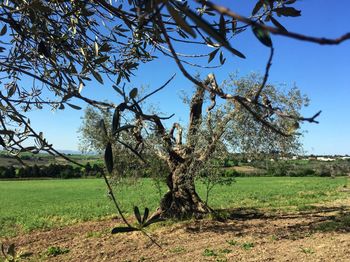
x: 322, y: 234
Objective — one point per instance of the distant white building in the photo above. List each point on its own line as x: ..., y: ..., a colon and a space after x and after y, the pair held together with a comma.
x: 322, y: 158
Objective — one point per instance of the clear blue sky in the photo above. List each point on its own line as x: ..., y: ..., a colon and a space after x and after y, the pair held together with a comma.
x: 321, y: 72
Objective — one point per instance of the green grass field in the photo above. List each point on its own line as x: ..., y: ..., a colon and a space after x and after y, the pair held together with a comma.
x: 43, y: 204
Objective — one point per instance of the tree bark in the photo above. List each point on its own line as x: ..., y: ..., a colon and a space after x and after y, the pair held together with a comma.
x: 182, y: 200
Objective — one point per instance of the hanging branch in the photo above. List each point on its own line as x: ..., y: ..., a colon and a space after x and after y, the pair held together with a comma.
x: 36, y: 135
x: 266, y: 75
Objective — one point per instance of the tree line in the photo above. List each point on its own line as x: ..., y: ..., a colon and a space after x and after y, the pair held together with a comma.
x: 51, y: 171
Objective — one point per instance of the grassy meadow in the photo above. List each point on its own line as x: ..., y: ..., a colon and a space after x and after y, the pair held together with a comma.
x: 44, y: 204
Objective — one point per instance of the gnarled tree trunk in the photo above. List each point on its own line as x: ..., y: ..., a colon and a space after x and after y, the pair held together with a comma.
x: 182, y: 200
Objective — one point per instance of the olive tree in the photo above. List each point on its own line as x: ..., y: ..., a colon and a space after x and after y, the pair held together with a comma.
x: 212, y: 129
x: 51, y: 50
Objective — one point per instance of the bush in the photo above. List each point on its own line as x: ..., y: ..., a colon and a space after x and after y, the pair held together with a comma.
x: 325, y: 173
x: 309, y: 172
x: 231, y: 173
x: 230, y: 162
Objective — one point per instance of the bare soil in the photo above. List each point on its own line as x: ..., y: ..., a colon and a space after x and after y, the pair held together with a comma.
x: 246, y: 169
x: 322, y: 234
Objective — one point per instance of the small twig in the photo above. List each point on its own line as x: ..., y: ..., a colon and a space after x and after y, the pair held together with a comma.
x: 307, y: 119
x: 266, y: 76
x: 132, y: 150
x: 157, y: 90
x: 152, y: 240
x: 115, y: 200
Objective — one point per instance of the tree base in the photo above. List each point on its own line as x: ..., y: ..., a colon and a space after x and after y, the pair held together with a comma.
x: 183, y: 206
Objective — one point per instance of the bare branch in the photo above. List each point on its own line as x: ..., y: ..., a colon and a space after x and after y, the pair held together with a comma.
x: 266, y: 75
x: 157, y: 90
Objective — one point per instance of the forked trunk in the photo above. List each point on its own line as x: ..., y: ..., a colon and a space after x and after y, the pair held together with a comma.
x: 182, y: 200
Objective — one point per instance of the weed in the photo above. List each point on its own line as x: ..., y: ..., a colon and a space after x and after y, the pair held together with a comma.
x: 93, y: 234
x: 273, y: 238
x: 177, y: 250
x: 209, y: 253
x: 307, y: 250
x: 232, y: 242
x: 221, y: 259
x: 219, y: 254
x: 247, y: 245
x: 225, y: 251
x: 55, y: 251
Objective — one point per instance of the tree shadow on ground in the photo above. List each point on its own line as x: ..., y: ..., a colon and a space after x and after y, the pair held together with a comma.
x: 251, y: 221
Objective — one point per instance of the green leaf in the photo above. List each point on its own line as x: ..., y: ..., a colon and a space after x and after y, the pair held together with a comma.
x: 118, y: 90
x: 117, y: 230
x: 212, y: 55
x: 101, y: 59
x: 3, y: 30
x: 74, y: 106
x: 222, y: 26
x: 257, y: 7
x: 278, y: 25
x: 105, y: 47
x: 180, y: 21
x: 222, y: 59
x: 72, y: 69
x: 12, y: 90
x: 116, y: 120
x: 153, y: 220
x: 137, y: 214
x: 96, y: 48
x: 109, y: 158
x: 262, y: 34
x: 133, y: 93
x: 200, y: 22
x: 97, y: 76
x: 145, y: 215
x: 288, y: 11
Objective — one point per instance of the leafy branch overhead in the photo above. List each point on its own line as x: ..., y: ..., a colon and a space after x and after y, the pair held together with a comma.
x: 64, y: 45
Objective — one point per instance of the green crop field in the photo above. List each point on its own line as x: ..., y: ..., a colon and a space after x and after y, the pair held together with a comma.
x: 43, y: 204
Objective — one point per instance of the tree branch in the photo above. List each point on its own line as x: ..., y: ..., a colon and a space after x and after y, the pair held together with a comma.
x: 319, y: 40
x: 266, y: 76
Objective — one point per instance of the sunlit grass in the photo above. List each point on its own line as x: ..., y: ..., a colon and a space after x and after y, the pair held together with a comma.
x: 43, y: 204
